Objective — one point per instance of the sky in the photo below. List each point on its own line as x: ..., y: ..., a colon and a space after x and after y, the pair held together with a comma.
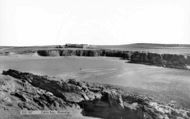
x: 99, y: 22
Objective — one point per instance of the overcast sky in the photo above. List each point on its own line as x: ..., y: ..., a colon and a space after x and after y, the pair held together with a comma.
x: 50, y: 22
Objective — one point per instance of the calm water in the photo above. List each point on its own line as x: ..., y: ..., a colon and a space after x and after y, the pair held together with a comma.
x: 161, y: 83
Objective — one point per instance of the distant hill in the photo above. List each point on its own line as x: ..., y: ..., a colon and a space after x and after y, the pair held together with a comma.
x: 144, y: 46
x: 134, y: 45
x: 154, y: 45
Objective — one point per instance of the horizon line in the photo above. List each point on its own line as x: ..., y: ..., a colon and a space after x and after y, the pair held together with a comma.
x: 140, y: 43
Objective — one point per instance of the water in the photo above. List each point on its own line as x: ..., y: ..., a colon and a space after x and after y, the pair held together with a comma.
x: 56, y: 66
x: 161, y: 83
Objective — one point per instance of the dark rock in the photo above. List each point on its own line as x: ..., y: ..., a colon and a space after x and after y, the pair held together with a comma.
x: 20, y: 96
x: 164, y: 60
x: 35, y: 92
x: 48, y: 52
x: 109, y: 106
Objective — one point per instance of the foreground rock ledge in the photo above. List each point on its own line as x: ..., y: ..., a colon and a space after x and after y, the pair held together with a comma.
x: 20, y: 90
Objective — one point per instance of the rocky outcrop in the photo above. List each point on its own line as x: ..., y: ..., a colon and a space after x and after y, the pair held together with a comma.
x: 48, y: 52
x: 112, y: 106
x: 163, y: 60
x: 32, y: 92
x: 84, y: 52
x: 69, y: 52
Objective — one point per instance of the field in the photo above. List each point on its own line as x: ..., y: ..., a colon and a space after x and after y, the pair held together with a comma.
x: 163, y: 84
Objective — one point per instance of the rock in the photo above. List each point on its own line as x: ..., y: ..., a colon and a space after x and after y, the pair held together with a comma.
x: 33, y: 92
x: 73, y: 97
x: 163, y: 60
x: 48, y: 52
x: 110, y: 106
x: 20, y: 96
